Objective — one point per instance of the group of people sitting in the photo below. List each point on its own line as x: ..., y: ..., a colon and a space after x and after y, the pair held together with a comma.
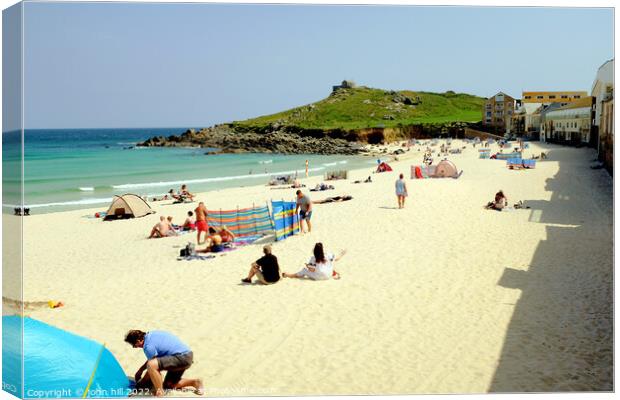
x: 163, y: 228
x: 181, y: 196
x: 215, y: 237
x: 319, y: 267
x: 218, y: 239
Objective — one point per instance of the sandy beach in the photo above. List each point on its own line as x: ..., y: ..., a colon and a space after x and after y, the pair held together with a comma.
x: 440, y: 297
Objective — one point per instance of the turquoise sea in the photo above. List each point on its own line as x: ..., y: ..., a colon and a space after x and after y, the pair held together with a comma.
x: 68, y: 169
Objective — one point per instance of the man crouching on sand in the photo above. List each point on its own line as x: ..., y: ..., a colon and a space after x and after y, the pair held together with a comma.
x: 164, y: 352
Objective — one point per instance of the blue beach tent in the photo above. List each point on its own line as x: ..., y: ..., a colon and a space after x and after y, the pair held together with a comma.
x: 57, y: 363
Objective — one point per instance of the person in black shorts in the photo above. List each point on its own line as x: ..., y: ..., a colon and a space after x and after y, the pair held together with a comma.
x: 304, y: 206
x: 164, y: 352
x: 266, y: 269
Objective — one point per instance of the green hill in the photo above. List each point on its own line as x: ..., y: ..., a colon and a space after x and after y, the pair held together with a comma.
x: 362, y: 107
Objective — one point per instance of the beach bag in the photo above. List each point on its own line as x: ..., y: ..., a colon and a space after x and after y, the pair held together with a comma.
x: 189, y: 250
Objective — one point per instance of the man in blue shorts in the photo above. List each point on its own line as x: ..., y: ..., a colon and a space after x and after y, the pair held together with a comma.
x: 304, y: 205
x: 164, y: 352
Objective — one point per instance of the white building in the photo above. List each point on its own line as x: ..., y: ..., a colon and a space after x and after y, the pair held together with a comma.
x: 602, y: 86
x: 571, y: 123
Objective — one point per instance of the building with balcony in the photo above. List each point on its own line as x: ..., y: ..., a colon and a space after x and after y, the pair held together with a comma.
x: 497, y: 112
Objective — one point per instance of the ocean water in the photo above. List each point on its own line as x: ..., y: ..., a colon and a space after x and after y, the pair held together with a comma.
x: 68, y: 169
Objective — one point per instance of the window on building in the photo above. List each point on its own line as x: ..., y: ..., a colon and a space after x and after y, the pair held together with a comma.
x: 528, y: 97
x: 540, y: 97
x: 564, y: 96
x: 577, y: 96
x: 488, y: 113
x: 552, y: 96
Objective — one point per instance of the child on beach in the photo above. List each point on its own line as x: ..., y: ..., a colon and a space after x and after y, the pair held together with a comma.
x: 320, y: 267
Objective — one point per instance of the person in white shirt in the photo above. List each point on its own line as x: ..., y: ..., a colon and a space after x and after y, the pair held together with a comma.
x: 320, y: 266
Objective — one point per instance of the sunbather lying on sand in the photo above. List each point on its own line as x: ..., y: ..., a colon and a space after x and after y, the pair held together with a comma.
x: 322, y: 186
x: 334, y: 199
x: 367, y: 180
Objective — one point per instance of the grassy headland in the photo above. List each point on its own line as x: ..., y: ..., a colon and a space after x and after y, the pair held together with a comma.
x: 362, y: 107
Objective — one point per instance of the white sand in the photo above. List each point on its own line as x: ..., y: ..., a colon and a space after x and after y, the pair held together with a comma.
x: 441, y: 297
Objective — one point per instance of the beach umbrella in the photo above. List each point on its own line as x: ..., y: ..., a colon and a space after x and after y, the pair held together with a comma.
x: 57, y: 363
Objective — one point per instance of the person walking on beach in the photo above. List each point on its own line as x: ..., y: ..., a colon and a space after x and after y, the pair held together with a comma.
x: 401, y: 191
x: 304, y: 205
x: 320, y: 267
x: 201, y: 221
x: 164, y: 352
x: 266, y: 268
x: 306, y: 168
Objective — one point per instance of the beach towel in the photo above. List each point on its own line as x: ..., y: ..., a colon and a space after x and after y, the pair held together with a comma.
x: 245, y: 240
x: 506, y: 156
x: 196, y: 257
x: 514, y: 163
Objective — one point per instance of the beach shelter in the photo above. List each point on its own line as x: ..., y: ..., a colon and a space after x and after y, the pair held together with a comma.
x: 383, y: 167
x: 445, y: 169
x: 128, y: 206
x: 57, y: 363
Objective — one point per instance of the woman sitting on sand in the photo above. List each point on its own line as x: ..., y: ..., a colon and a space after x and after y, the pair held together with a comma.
x: 214, y: 242
x: 500, y: 202
x: 226, y: 235
x: 320, y: 267
x: 185, y: 193
x: 190, y: 222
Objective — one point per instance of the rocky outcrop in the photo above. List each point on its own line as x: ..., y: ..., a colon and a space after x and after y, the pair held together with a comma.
x: 279, y: 138
x: 228, y: 140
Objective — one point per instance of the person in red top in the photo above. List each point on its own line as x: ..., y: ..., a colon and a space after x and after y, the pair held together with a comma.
x: 201, y: 221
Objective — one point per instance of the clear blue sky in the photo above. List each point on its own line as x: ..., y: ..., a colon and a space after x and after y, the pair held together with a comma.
x: 194, y: 65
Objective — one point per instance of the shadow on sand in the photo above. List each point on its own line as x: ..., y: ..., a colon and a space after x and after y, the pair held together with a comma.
x: 560, y: 337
